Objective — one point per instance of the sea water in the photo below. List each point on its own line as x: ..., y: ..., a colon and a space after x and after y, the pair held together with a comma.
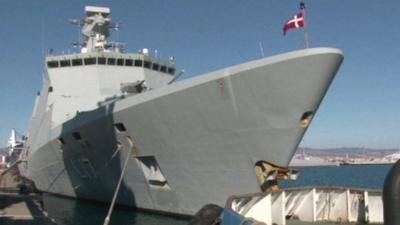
x: 74, y: 212
x: 357, y: 176
x: 78, y: 212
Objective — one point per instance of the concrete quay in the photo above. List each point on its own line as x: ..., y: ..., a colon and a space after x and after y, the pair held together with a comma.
x: 19, y: 203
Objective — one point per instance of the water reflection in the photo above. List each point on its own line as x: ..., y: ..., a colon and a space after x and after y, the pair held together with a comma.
x: 74, y: 212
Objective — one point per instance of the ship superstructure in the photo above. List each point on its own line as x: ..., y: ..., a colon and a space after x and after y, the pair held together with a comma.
x: 186, y: 142
x: 80, y: 82
x: 14, y: 147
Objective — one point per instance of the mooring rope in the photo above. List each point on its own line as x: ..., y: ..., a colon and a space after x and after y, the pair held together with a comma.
x: 110, y: 210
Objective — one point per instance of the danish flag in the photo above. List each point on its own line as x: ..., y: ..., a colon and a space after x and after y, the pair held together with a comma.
x: 296, y: 21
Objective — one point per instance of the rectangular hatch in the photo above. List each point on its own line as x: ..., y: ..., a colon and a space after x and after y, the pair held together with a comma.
x: 152, y: 172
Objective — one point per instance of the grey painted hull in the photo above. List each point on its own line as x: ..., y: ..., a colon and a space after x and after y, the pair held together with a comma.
x: 205, y: 133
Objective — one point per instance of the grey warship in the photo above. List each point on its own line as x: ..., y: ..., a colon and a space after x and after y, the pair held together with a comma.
x: 187, y: 143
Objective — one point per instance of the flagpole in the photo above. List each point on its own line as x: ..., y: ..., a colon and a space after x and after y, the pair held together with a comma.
x: 303, y: 9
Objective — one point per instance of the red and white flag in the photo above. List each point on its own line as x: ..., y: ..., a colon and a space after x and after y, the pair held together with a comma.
x: 296, y: 21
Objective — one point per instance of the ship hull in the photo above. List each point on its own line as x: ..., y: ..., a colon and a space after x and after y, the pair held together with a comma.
x: 199, y: 138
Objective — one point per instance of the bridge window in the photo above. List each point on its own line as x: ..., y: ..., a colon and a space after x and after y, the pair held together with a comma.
x: 90, y: 61
x: 138, y: 63
x: 65, y: 63
x: 111, y: 61
x: 77, y: 62
x: 128, y: 62
x: 120, y: 62
x: 171, y: 70
x: 52, y: 64
x: 101, y: 61
x: 147, y: 64
x: 156, y: 66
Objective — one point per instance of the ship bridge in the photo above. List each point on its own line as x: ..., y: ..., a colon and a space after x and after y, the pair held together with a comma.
x: 100, y: 72
x: 111, y: 59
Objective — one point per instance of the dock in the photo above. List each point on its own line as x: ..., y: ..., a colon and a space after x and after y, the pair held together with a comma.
x: 20, y: 203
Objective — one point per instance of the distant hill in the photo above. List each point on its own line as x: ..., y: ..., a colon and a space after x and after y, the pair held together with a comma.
x: 354, y: 151
x: 3, y: 151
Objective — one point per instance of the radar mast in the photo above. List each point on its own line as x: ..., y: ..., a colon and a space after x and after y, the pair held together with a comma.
x: 95, y: 28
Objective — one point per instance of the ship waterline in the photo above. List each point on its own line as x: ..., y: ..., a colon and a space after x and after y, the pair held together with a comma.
x: 187, y: 143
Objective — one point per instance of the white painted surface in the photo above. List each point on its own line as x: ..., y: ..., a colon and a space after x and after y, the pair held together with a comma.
x: 329, y: 204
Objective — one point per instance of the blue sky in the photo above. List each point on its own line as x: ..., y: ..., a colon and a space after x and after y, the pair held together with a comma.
x: 361, y: 108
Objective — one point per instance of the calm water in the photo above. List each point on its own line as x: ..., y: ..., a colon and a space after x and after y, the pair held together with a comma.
x: 360, y: 176
x: 72, y: 212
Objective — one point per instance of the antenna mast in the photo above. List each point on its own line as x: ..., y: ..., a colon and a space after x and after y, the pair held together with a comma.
x: 96, y: 29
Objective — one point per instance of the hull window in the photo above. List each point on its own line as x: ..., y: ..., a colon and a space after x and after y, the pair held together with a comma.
x: 152, y: 172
